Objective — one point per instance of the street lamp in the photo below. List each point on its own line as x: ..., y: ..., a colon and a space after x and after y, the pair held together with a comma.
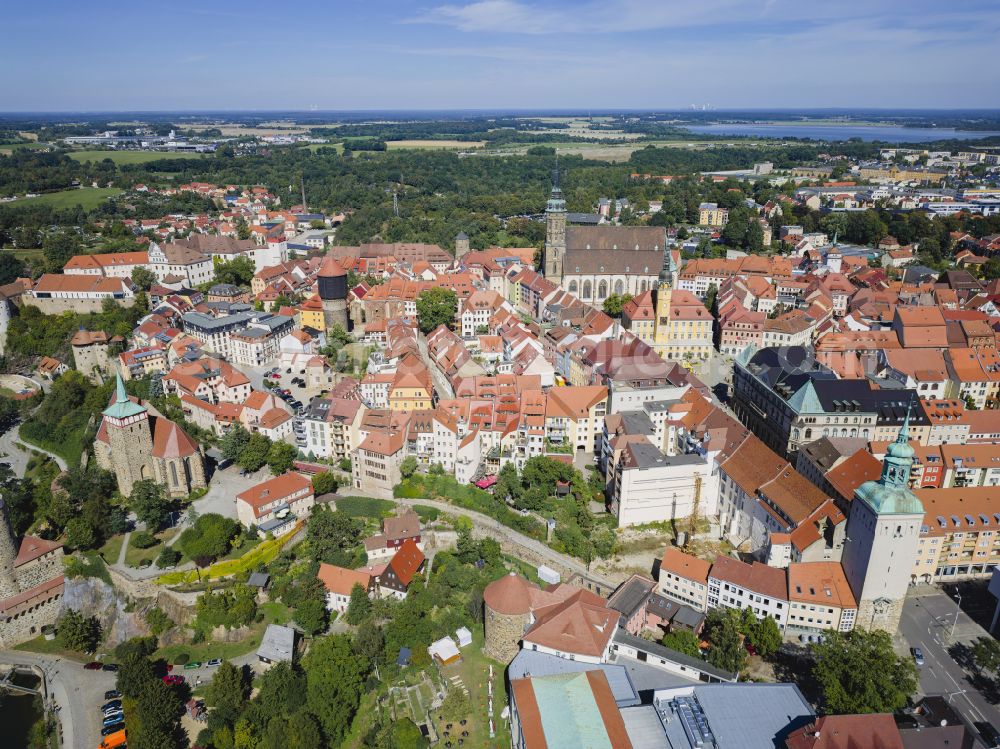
x: 958, y: 610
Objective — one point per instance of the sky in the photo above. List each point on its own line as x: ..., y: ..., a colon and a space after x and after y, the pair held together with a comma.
x: 108, y: 55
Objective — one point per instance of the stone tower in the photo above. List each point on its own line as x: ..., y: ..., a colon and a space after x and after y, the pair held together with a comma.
x: 883, y: 533
x: 555, y: 232
x: 130, y: 440
x: 8, y: 553
x: 332, y: 282
x: 507, y: 605
x: 461, y: 245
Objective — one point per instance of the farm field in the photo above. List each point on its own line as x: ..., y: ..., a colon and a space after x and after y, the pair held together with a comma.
x: 394, y: 145
x: 87, y: 197
x: 131, y: 157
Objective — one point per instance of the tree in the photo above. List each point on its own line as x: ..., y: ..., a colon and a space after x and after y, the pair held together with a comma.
x: 282, y: 689
x: 755, y: 237
x: 211, y: 536
x: 615, y: 303
x: 158, y: 621
x: 324, y: 482
x: 74, y: 631
x: 254, y: 455
x: 143, y: 278
x: 10, y: 267
x: 331, y: 534
x: 683, y: 641
x: 359, y: 606
x: 985, y: 653
x: 312, y: 615
x: 280, y: 457
x: 334, y: 684
x: 859, y: 672
x: 408, y: 467
x: 508, y: 485
x: 991, y: 270
x: 234, y: 443
x: 228, y: 691
x: 59, y: 248
x: 299, y: 731
x: 765, y: 636
x: 455, y: 706
x: 167, y: 558
x: 238, y: 271
x: 80, y: 534
x: 726, y: 650
x: 149, y: 503
x: 436, y: 306
x: 406, y: 735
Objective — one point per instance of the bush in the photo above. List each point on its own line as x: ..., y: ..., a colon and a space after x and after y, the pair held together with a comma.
x: 142, y: 540
x: 181, y: 658
x: 168, y: 557
x: 158, y: 621
x: 211, y: 536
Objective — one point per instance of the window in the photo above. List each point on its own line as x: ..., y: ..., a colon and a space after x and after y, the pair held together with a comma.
x: 587, y: 290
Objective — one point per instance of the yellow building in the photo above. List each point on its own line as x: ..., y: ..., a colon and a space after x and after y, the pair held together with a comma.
x: 410, y: 392
x: 311, y: 313
x: 682, y: 325
x: 709, y: 214
x: 639, y: 317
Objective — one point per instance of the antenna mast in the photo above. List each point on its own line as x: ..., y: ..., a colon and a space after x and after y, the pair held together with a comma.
x: 302, y: 182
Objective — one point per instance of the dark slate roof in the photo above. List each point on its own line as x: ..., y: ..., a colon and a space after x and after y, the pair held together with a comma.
x: 631, y: 595
x: 688, y: 617
x: 583, y: 218
x: 632, y: 238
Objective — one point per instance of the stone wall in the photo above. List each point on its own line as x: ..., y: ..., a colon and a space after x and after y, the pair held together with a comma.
x: 40, y: 570
x: 883, y: 614
x: 56, y: 306
x: 120, y: 618
x: 28, y: 625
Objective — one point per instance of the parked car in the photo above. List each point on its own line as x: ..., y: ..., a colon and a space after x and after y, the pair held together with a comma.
x: 286, y: 391
x: 288, y: 371
x: 114, y: 718
x: 113, y: 705
x: 918, y: 656
x: 991, y: 736
x: 109, y: 667
x: 172, y: 679
x: 112, y: 694
x: 112, y: 711
x: 192, y: 664
x: 93, y: 666
x: 214, y: 662
x: 108, y: 730
x: 275, y: 376
x: 295, y: 404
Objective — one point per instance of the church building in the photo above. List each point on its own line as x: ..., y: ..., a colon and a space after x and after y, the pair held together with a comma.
x: 883, y: 535
x: 594, y: 262
x: 135, y: 444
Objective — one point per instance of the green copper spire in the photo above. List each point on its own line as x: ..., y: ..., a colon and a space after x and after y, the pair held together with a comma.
x: 669, y: 268
x: 123, y: 406
x: 891, y: 493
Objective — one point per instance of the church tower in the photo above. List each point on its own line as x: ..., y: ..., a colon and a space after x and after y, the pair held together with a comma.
x: 8, y: 553
x: 130, y: 439
x: 555, y: 232
x: 883, y: 534
x: 664, y: 290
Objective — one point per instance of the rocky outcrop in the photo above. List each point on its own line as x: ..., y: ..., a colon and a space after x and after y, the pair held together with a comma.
x: 119, y: 620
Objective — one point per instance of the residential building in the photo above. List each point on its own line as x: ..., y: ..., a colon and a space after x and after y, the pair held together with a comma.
x: 339, y: 583
x: 737, y: 585
x: 274, y: 505
x: 684, y: 578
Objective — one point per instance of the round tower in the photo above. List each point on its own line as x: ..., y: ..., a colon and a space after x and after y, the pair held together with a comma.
x: 507, y: 604
x: 332, y: 287
x: 461, y: 245
x: 8, y: 553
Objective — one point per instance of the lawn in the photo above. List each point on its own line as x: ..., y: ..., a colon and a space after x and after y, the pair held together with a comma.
x: 69, y: 450
x: 86, y: 197
x: 24, y: 254
x: 51, y: 647
x: 7, y: 148
x: 111, y: 549
x: 131, y: 157
x: 134, y: 557
x: 365, y: 507
x: 261, y: 553
x: 473, y: 670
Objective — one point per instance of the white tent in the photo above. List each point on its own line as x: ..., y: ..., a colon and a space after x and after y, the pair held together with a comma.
x: 464, y: 636
x: 444, y: 650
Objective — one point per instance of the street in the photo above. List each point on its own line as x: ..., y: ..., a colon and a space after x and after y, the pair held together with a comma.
x: 928, y: 619
x: 78, y: 692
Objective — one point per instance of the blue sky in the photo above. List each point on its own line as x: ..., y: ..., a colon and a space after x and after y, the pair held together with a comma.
x: 489, y: 54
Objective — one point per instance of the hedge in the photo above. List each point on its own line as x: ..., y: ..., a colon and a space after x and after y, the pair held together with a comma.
x: 263, y: 553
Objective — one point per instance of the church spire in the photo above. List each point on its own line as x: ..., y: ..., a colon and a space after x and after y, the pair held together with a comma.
x: 123, y: 407
x: 669, y: 269
x: 899, y: 455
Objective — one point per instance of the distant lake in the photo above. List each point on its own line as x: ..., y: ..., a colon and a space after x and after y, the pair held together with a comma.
x: 887, y: 133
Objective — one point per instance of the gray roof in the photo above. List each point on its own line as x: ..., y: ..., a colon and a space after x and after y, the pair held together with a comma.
x: 644, y: 728
x: 278, y: 643
x: 532, y: 663
x: 636, y: 422
x: 645, y: 455
x: 739, y: 716
x: 258, y: 579
x: 624, y: 638
x: 631, y: 595
x: 688, y: 617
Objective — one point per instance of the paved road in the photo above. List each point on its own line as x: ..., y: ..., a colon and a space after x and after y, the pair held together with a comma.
x: 78, y: 692
x: 928, y: 617
x: 17, y: 457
